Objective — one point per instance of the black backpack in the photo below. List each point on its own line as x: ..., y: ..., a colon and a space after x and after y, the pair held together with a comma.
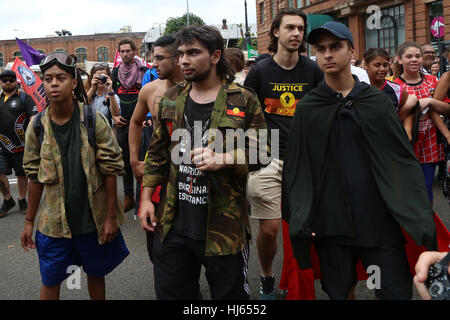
x: 89, y: 123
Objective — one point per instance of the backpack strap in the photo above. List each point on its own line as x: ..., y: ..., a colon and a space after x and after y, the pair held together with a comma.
x: 89, y: 122
x: 38, y: 127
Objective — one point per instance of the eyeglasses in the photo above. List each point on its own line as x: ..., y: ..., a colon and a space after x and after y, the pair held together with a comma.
x: 161, y: 58
x: 10, y: 80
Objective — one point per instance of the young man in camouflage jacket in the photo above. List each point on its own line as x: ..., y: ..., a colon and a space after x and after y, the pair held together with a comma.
x: 202, y: 218
x: 80, y: 215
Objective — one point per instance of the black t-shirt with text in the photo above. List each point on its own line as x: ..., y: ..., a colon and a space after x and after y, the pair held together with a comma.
x: 192, y: 217
x: 15, y: 113
x: 279, y: 90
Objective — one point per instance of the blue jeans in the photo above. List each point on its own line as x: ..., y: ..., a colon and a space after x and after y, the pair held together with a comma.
x: 428, y: 171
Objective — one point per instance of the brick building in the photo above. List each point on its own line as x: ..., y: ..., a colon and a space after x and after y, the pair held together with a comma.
x: 96, y: 47
x: 400, y: 20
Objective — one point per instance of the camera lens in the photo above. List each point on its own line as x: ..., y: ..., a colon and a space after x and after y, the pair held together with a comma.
x: 102, y: 78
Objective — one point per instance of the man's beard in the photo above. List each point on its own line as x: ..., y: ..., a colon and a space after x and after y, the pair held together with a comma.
x: 198, y: 77
x: 9, y: 89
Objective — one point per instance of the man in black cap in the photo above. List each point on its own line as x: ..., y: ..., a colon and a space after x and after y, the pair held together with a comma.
x: 351, y: 178
x: 280, y: 81
x: 16, y: 109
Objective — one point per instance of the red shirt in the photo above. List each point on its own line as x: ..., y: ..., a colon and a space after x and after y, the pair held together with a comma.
x: 426, y: 148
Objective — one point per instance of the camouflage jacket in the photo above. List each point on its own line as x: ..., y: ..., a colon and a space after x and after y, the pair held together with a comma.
x: 43, y: 164
x: 228, y: 227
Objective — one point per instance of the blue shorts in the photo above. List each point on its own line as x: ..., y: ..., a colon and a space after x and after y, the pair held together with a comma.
x: 56, y: 255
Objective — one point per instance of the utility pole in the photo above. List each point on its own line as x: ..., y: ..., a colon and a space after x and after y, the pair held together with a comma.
x: 187, y: 2
x: 247, y: 39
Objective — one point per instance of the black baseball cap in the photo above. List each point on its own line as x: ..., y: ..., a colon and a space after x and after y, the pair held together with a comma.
x: 337, y: 29
x: 8, y: 74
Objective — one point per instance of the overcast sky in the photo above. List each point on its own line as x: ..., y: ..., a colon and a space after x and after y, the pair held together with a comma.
x: 39, y: 18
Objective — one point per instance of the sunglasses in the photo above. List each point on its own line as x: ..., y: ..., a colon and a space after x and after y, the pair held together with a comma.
x: 103, y: 64
x: 10, y: 80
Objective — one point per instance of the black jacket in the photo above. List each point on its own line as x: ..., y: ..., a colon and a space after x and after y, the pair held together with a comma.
x: 314, y: 198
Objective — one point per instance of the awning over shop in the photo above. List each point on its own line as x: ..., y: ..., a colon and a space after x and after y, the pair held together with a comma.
x: 317, y: 20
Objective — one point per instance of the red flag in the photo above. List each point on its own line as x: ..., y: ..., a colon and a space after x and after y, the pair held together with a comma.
x: 117, y: 59
x: 32, y: 84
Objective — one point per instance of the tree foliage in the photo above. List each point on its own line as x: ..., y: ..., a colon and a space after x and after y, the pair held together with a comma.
x: 174, y: 25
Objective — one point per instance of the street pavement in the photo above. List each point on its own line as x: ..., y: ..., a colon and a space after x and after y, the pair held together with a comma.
x: 133, y: 279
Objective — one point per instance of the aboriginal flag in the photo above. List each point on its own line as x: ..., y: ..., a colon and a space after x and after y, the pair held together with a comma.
x: 235, y: 111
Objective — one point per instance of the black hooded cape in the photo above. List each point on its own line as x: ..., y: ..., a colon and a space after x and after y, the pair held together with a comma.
x: 314, y: 198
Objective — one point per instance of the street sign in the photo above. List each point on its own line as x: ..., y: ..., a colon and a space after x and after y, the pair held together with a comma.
x: 437, y: 27
x: 252, y: 53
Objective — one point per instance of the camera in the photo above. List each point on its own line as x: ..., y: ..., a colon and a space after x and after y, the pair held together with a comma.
x: 438, y: 282
x: 102, y: 78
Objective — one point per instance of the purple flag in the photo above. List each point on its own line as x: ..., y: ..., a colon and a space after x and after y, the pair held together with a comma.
x: 29, y: 54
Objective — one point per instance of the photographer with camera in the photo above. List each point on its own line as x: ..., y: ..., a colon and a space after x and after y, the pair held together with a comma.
x: 100, y: 93
x: 426, y: 268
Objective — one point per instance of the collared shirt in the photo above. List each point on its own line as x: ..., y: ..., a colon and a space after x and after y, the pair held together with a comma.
x: 99, y: 103
x: 43, y: 164
x: 228, y: 224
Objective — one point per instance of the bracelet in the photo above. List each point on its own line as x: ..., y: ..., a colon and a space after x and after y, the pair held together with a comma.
x: 29, y: 219
x: 111, y: 93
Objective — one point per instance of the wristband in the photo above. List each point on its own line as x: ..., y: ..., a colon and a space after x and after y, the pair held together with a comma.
x: 29, y: 219
x: 111, y: 94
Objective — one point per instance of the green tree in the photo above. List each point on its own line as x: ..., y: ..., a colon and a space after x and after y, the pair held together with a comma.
x: 176, y: 24
x: 254, y: 42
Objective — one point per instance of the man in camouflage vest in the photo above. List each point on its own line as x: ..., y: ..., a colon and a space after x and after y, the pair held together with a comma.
x: 202, y: 218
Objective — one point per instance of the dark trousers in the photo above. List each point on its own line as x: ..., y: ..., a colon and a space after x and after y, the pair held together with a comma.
x: 128, y: 178
x: 145, y: 142
x: 177, y: 265
x: 338, y: 268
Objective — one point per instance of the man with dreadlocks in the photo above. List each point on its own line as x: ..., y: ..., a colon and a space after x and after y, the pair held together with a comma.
x: 80, y: 217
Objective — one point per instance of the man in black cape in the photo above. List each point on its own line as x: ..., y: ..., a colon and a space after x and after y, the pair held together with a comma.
x: 351, y: 178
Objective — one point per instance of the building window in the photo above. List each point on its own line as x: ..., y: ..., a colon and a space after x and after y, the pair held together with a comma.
x: 81, y: 54
x: 291, y: 3
x: 143, y: 49
x: 343, y: 20
x: 299, y: 3
x: 18, y: 54
x: 436, y: 10
x: 307, y: 2
x: 261, y: 10
x: 60, y: 50
x: 102, y: 54
x: 1, y: 60
x: 274, y: 8
x: 392, y: 30
x: 41, y: 51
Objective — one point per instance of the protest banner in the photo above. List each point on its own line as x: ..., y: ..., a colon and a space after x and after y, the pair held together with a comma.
x: 31, y: 84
